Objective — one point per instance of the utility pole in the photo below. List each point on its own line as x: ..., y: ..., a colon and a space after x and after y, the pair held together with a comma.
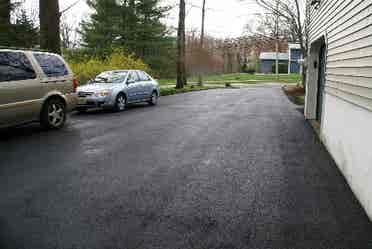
x: 5, y: 8
x: 277, y: 40
x: 202, y: 41
x: 181, y: 47
x: 50, y: 25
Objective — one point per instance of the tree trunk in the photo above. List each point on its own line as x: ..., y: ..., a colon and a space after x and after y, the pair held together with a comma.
x: 202, y: 44
x: 302, y: 37
x: 5, y: 8
x: 50, y: 39
x: 277, y: 40
x: 181, y: 47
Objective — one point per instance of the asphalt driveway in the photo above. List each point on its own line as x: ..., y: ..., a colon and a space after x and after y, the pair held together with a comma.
x: 220, y: 169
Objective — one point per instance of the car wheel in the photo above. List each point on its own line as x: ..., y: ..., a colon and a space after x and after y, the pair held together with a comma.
x: 154, y: 98
x: 53, y: 115
x: 120, y: 103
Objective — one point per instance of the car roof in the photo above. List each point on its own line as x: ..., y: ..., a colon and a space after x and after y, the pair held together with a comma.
x: 25, y: 51
x: 116, y: 71
x: 4, y: 49
x: 122, y: 71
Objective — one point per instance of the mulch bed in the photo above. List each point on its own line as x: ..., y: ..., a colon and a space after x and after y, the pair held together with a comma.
x: 295, y: 94
x: 294, y: 90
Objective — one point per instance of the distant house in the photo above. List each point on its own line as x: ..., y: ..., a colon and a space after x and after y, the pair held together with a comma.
x: 268, y: 59
x: 294, y: 58
x: 339, y: 87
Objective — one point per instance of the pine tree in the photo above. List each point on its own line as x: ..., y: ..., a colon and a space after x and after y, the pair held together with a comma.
x: 100, y: 32
x: 24, y: 32
x: 150, y: 32
x: 132, y: 24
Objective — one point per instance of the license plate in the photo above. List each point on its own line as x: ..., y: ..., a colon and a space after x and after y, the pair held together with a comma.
x: 82, y: 101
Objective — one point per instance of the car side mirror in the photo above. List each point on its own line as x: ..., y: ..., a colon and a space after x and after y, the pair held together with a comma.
x: 89, y: 81
x: 130, y: 82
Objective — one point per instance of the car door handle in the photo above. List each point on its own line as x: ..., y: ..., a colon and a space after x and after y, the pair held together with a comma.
x: 54, y: 81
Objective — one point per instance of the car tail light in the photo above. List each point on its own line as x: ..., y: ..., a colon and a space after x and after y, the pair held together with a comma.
x: 75, y: 84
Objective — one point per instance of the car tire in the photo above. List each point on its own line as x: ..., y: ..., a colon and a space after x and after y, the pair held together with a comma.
x: 53, y: 114
x: 154, y: 98
x: 120, y: 103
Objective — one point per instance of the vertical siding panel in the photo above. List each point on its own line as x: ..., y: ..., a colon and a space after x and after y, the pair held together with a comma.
x: 348, y: 25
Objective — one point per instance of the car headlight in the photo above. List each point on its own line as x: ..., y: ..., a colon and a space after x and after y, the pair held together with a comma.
x: 103, y: 93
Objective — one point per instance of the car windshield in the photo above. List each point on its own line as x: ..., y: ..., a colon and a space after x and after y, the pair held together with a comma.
x: 111, y: 77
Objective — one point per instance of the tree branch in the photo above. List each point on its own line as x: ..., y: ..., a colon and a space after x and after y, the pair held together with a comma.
x: 69, y: 7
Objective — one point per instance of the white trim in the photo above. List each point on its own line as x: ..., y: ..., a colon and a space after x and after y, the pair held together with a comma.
x: 312, y: 77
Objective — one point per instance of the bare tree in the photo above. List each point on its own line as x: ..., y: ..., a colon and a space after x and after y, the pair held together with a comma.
x: 210, y: 59
x: 290, y: 12
x: 68, y: 34
x: 50, y: 25
x: 181, y: 47
x: 266, y: 28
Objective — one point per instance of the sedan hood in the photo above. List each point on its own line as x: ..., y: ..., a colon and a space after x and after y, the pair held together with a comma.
x: 96, y: 87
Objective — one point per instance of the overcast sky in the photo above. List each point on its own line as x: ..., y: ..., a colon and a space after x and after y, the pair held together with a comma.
x: 224, y: 18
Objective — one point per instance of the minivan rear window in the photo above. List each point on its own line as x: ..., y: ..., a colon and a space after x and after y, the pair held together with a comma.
x: 15, y: 66
x: 51, y: 65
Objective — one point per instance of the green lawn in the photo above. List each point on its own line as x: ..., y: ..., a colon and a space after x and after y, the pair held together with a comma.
x: 240, y: 78
x: 164, y: 90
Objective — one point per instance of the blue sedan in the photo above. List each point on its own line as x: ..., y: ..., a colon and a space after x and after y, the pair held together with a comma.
x: 116, y: 89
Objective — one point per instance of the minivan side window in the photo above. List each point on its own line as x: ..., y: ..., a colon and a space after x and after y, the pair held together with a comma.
x: 15, y: 66
x: 51, y: 65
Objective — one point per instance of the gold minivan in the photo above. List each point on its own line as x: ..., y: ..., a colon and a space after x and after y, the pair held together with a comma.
x: 35, y: 86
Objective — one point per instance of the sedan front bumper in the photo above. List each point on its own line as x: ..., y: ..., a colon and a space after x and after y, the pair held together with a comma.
x: 94, y: 102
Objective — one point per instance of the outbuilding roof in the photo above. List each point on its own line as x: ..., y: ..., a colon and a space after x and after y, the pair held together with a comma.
x: 294, y: 46
x: 272, y: 56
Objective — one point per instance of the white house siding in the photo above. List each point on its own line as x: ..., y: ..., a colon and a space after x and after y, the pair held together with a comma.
x: 346, y: 128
